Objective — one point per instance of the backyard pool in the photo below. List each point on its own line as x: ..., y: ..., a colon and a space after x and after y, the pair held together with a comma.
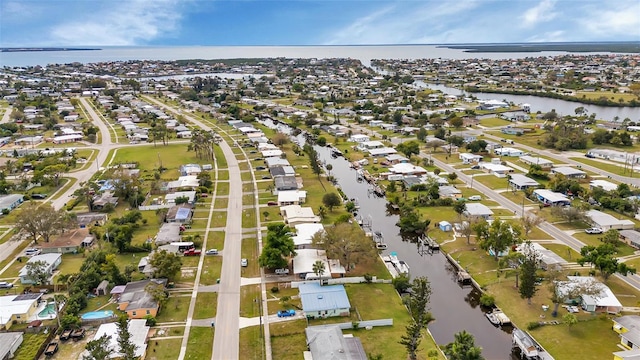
x: 48, y: 312
x: 93, y: 315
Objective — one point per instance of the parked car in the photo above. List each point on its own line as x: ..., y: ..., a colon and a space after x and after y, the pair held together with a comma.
x: 244, y: 262
x: 265, y: 177
x: 32, y: 252
x: 211, y: 252
x: 286, y: 313
x: 39, y: 196
x: 261, y: 168
x: 475, y: 167
x: 5, y: 285
x: 283, y: 271
x: 272, y: 203
x: 590, y: 156
x: 475, y: 197
x: 192, y: 252
x: 593, y: 230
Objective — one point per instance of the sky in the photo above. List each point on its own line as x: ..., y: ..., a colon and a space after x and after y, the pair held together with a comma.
x: 26, y: 23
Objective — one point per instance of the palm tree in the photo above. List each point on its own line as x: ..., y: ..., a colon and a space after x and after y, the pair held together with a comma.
x: 318, y: 269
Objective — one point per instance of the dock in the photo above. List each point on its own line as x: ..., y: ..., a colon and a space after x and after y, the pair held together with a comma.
x: 432, y: 244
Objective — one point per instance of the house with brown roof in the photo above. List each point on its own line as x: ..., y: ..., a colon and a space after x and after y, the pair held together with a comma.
x: 137, y: 302
x: 68, y: 242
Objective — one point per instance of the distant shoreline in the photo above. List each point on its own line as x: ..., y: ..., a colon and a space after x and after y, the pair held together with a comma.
x: 34, y: 49
x: 614, y: 47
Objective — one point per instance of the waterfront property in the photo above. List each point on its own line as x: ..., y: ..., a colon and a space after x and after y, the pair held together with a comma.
x: 324, y: 301
x: 304, y: 234
x: 328, y: 343
x: 295, y: 214
x: 604, y: 302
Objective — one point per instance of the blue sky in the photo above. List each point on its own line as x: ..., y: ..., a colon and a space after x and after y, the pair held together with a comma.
x: 309, y: 22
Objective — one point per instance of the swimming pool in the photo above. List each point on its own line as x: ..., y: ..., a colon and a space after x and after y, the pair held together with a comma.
x: 49, y: 309
x: 93, y: 315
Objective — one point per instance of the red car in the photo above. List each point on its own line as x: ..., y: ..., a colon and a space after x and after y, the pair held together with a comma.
x: 192, y: 252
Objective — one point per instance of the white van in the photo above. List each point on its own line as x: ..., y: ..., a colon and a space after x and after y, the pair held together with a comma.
x: 283, y: 271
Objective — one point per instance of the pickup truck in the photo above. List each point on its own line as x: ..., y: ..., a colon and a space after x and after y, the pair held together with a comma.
x: 286, y: 313
x: 192, y: 252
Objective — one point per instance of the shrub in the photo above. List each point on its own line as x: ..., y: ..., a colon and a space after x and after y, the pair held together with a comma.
x: 487, y: 300
x: 533, y: 325
x: 368, y: 278
x: 151, y: 321
x: 275, y: 289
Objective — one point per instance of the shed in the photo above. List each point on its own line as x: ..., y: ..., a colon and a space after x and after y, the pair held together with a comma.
x: 103, y: 288
x: 444, y: 225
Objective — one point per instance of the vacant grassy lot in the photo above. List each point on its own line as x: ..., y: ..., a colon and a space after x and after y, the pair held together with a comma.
x: 252, y: 343
x: 165, y: 349
x: 494, y: 122
x: 211, y: 270
x: 250, y: 301
x: 29, y: 347
x: 175, y: 309
x: 250, y: 252
x: 149, y: 158
x: 200, y: 344
x: 206, y: 305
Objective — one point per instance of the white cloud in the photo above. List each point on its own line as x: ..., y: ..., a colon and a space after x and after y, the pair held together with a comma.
x: 542, y: 12
x: 621, y: 19
x: 549, y: 36
x: 131, y: 22
x: 411, y: 23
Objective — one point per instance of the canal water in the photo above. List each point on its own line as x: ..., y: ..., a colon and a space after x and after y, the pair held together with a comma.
x: 455, y: 308
x: 542, y: 104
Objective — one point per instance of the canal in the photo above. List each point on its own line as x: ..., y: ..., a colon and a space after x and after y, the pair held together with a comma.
x: 455, y: 308
x: 542, y: 104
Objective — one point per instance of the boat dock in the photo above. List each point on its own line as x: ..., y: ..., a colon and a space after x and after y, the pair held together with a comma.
x: 432, y: 244
x: 529, y: 348
x: 395, y: 266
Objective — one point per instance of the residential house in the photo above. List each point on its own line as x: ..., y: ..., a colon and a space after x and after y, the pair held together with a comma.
x: 521, y: 182
x: 552, y: 198
x: 449, y: 192
x: 303, y: 263
x: 507, y: 151
x: 102, y: 200
x: 295, y: 214
x: 168, y: 233
x: 468, y: 158
x: 603, y: 184
x: 18, y: 308
x: 9, y: 343
x: 304, y: 233
x: 324, y: 301
x: 630, y: 237
x: 396, y: 159
x: 569, y: 172
x: 628, y: 327
x: 498, y: 170
x: 189, y: 195
x: 291, y: 197
x: 180, y: 214
x: 136, y: 301
x: 68, y: 242
x: 603, y: 302
x: 359, y: 138
x: 283, y: 183
x: 184, y: 182
x: 275, y: 161
x: 606, y: 222
x: 326, y: 342
x: 536, y: 160
x: 190, y: 169
x: 369, y: 145
x: 10, y: 202
x: 50, y: 261
x: 477, y: 210
x: 407, y: 169
x: 382, y: 152
x: 547, y: 259
x: 276, y: 171
x: 139, y: 333
x: 91, y: 219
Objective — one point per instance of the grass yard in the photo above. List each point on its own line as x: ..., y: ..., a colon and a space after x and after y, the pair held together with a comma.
x: 206, y: 305
x: 200, y: 344
x: 30, y: 345
x: 595, y: 95
x: 211, y: 270
x: 594, y: 240
x: 221, y: 203
x: 218, y: 219
x: 249, y: 218
x: 288, y: 340
x: 250, y: 252
x: 492, y: 182
x: 216, y: 240
x: 494, y: 122
x: 222, y: 188
x: 250, y: 301
x: 563, y: 251
x: 223, y: 175
x: 149, y: 158
x: 252, y: 343
x: 175, y: 309
x: 163, y: 349
x: 614, y: 169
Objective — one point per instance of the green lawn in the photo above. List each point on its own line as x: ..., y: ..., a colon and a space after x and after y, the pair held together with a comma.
x: 149, y: 158
x: 250, y: 252
x: 30, y: 345
x: 614, y: 169
x: 206, y: 305
x: 249, y: 307
x: 492, y: 182
x: 494, y: 122
x: 175, y: 309
x: 563, y: 251
x: 252, y: 343
x: 211, y: 269
x: 164, y: 349
x: 200, y: 344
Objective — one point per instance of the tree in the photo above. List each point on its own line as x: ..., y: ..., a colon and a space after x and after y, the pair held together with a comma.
x: 314, y: 161
x: 165, y: 264
x: 466, y: 230
x: 419, y: 301
x: 602, y: 257
x: 434, y: 144
x: 411, y: 340
x: 346, y: 242
x: 278, y: 247
x: 280, y: 139
x: 530, y: 221
x: 318, y: 269
x: 459, y: 207
x: 157, y: 293
x: 612, y: 236
x: 570, y: 319
x: 456, y: 122
x: 401, y: 283
x: 570, y: 214
x: 497, y: 237
x: 421, y: 134
x: 37, y: 272
x: 463, y: 348
x: 410, y: 224
x: 560, y: 293
x: 331, y: 200
x: 40, y: 220
x: 529, y: 267
x: 477, y: 146
x: 127, y: 347
x: 409, y: 148
x: 98, y: 349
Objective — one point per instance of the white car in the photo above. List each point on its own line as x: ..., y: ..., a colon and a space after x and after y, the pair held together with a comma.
x: 32, y: 252
x: 211, y: 252
x: 244, y: 262
x: 475, y: 197
x: 593, y: 230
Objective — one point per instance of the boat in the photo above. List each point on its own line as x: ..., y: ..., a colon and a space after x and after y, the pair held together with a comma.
x: 503, y: 318
x: 395, y: 266
x: 528, y: 347
x: 463, y: 277
x: 381, y: 246
x: 492, y: 318
x: 378, y: 238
